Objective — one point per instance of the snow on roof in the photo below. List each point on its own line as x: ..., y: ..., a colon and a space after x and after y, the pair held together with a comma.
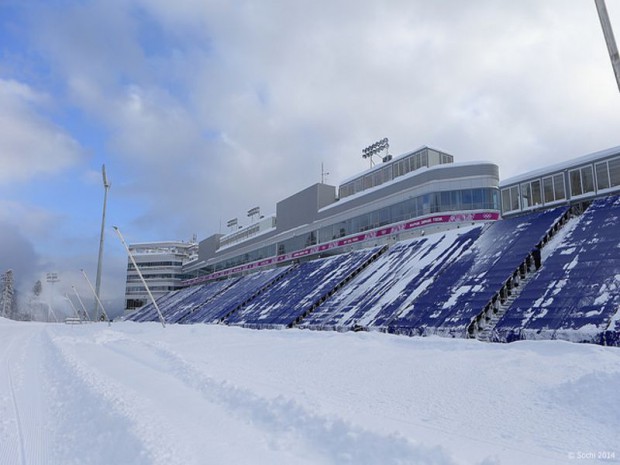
x: 573, y: 162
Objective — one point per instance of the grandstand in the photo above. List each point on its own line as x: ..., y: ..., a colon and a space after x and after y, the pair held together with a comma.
x: 550, y: 269
x: 474, y: 281
x: 393, y: 282
x: 576, y: 293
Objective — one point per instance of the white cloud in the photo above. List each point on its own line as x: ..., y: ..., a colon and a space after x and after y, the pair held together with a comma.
x: 228, y: 105
x: 30, y: 145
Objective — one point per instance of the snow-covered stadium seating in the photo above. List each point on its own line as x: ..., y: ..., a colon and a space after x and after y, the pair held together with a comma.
x: 234, y: 297
x: 392, y: 282
x: 287, y: 302
x: 440, y: 284
x: 170, y: 300
x: 206, y: 293
x: 462, y: 289
x: 576, y: 293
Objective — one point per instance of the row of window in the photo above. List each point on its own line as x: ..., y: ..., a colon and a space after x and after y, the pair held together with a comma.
x: 136, y: 278
x: 141, y: 289
x: 583, y: 180
x: 393, y: 170
x: 436, y: 202
x: 142, y: 265
x: 132, y: 304
x: 255, y: 255
x: 240, y: 235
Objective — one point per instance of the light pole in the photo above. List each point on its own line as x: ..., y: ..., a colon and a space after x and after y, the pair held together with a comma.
x: 85, y: 313
x: 105, y: 315
x: 376, y: 149
x: 612, y: 48
x: 52, y: 278
x: 135, y: 265
x: 106, y: 187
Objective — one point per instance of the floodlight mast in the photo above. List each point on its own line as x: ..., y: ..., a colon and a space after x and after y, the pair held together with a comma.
x: 105, y: 315
x: 81, y: 303
x: 133, y: 261
x: 375, y: 149
x: 106, y: 187
x: 612, y: 48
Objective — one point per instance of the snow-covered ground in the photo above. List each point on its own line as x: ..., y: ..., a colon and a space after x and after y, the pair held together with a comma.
x: 134, y: 393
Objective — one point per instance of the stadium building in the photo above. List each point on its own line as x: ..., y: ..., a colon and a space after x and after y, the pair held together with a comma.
x: 416, y: 246
x: 161, y: 265
x: 416, y: 193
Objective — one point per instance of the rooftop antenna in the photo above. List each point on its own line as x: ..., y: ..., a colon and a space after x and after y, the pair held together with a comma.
x: 612, y: 48
x: 324, y: 174
x: 133, y: 261
x: 106, y: 188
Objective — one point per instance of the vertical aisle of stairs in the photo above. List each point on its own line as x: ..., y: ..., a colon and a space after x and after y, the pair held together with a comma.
x: 486, y: 334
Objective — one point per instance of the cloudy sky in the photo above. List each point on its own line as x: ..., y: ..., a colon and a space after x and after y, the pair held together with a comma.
x: 203, y: 109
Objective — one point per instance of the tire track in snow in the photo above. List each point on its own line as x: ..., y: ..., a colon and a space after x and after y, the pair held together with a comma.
x: 288, y: 423
x: 18, y: 423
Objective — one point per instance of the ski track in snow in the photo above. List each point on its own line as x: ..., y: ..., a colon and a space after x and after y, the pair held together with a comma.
x: 24, y: 414
x: 139, y: 394
x: 292, y: 434
x: 16, y: 453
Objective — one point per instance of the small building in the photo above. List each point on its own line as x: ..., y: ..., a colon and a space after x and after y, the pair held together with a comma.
x: 161, y: 265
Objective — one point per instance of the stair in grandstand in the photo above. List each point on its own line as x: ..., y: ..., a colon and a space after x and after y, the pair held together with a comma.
x: 355, y: 272
x: 575, y: 295
x: 486, y: 333
x: 497, y: 308
x: 256, y: 293
x: 306, y: 287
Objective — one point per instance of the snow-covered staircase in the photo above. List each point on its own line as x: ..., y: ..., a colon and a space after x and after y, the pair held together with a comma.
x: 484, y: 324
x: 486, y: 333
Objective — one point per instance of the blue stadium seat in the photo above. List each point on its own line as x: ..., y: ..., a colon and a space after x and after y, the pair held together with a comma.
x: 373, y: 298
x: 578, y: 286
x: 289, y: 300
x: 149, y: 312
x: 183, y: 308
x: 467, y: 285
x: 233, y: 297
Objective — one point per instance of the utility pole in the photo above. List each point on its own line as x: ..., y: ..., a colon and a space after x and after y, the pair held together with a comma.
x: 106, y: 187
x: 612, y: 48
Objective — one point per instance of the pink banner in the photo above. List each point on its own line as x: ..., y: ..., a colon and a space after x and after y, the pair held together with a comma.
x: 366, y: 236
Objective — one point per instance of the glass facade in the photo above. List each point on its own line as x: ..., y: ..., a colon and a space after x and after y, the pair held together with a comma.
x: 423, y: 158
x: 168, y: 264
x: 254, y: 255
x: 554, y: 188
x: 608, y: 174
x: 510, y: 199
x: 582, y: 180
x: 436, y: 202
